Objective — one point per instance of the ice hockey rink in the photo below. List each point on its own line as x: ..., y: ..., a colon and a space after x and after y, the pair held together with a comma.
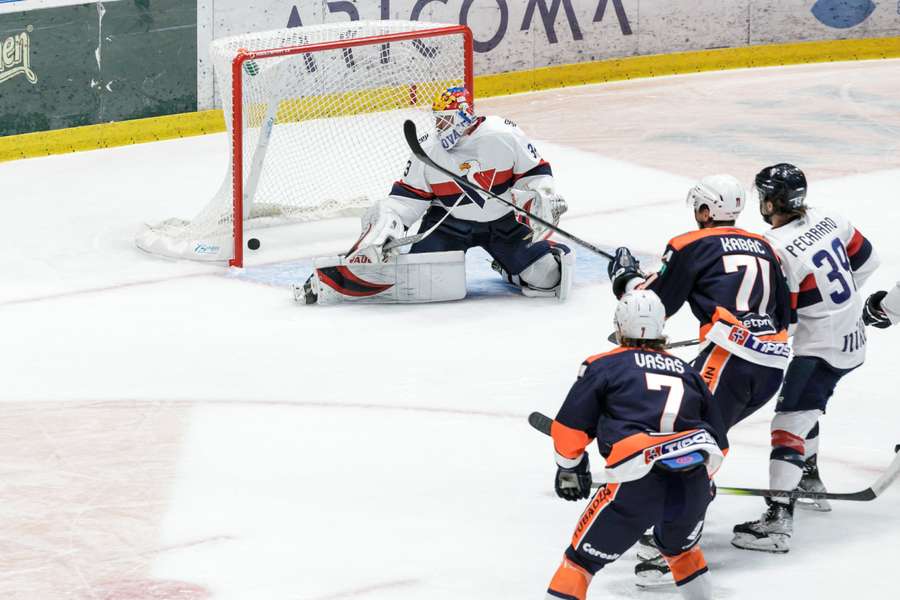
x: 177, y: 431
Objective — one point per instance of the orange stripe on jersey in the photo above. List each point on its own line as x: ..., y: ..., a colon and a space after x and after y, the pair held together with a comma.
x: 570, y: 581
x: 712, y: 368
x: 689, y: 238
x: 726, y: 316
x: 687, y: 564
x: 603, y: 498
x: 568, y: 442
x: 618, y: 350
x: 637, y: 443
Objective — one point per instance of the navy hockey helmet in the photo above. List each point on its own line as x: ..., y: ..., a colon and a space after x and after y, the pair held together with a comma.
x: 784, y: 185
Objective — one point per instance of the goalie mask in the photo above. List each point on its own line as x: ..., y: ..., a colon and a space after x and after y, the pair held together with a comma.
x: 453, y: 115
x: 639, y: 316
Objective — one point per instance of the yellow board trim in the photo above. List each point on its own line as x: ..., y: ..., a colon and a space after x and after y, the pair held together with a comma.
x: 106, y: 135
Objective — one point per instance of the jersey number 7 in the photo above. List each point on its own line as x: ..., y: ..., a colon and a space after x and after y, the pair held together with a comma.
x: 655, y: 383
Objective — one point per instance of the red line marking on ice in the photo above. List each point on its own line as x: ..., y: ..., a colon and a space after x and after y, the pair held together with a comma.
x: 126, y: 403
x: 368, y: 589
x: 191, y: 544
x: 226, y: 272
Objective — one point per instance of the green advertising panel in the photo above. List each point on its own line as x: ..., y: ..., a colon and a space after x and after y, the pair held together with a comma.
x: 94, y: 63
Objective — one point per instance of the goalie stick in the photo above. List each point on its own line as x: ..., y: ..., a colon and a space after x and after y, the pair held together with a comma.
x: 543, y: 423
x: 681, y: 344
x: 412, y: 138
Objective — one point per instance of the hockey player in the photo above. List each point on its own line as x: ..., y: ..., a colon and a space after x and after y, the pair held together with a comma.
x: 883, y: 308
x: 662, y: 437
x: 732, y: 281
x: 734, y: 285
x: 826, y: 261
x: 493, y: 154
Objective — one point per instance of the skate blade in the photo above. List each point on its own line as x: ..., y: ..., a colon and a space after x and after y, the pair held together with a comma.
x: 653, y: 579
x: 770, y: 545
x: 647, y: 553
x: 814, y: 505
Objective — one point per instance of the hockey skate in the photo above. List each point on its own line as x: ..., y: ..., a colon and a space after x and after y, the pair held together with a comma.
x: 653, y: 573
x: 812, y: 483
x: 651, y: 569
x: 771, y: 533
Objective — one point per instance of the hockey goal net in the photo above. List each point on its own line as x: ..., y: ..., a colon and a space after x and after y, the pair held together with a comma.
x: 315, y: 117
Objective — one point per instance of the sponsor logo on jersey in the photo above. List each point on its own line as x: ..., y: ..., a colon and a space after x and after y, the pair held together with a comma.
x: 600, y: 499
x: 594, y: 552
x: 360, y: 259
x: 654, y: 453
x: 15, y: 56
x: 464, y: 167
x: 742, y: 337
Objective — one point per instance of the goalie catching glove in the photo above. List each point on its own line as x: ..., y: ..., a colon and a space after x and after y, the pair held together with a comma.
x: 380, y: 225
x: 542, y: 202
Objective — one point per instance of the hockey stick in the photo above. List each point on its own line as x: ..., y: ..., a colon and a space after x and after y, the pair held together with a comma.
x: 412, y: 138
x: 543, y: 423
x: 681, y: 344
x: 412, y: 239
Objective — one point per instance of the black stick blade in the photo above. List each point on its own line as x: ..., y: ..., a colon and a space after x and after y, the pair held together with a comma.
x: 412, y: 138
x: 540, y: 422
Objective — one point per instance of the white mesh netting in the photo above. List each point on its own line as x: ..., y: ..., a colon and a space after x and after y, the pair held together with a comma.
x: 335, y: 143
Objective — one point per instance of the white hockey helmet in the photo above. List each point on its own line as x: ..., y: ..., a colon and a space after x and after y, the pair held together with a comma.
x: 722, y: 194
x: 640, y: 315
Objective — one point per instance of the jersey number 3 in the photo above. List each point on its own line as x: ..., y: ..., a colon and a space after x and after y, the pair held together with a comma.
x: 655, y: 383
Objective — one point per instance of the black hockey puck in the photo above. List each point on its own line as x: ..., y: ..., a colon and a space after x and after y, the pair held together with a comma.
x: 253, y: 244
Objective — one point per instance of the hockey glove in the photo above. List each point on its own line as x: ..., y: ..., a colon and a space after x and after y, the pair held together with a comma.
x: 873, y: 314
x: 623, y: 268
x: 575, y: 483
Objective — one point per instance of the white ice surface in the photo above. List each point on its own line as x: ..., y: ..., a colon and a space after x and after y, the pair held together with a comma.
x: 365, y: 451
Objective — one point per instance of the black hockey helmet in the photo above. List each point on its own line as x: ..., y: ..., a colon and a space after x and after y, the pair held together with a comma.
x: 784, y: 185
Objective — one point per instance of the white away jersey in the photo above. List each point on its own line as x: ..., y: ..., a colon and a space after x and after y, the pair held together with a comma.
x: 826, y: 261
x: 499, y: 157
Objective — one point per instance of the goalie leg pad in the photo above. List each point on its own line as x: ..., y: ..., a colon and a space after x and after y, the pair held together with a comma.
x: 550, y: 275
x: 406, y: 279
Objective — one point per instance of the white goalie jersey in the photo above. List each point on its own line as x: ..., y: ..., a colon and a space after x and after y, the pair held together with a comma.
x: 826, y: 260
x: 496, y: 155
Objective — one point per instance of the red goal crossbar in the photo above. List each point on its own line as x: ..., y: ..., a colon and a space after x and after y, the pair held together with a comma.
x: 237, y: 112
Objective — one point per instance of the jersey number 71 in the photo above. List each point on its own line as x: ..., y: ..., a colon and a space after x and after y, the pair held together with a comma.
x: 752, y: 266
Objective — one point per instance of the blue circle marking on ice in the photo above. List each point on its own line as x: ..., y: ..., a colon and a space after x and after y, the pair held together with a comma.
x: 481, y: 280
x: 843, y: 14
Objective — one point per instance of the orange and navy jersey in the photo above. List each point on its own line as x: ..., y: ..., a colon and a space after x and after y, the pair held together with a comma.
x: 496, y: 154
x: 724, y: 269
x: 641, y: 406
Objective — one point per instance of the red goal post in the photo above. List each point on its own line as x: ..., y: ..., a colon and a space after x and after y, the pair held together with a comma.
x: 237, y: 69
x: 314, y: 117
